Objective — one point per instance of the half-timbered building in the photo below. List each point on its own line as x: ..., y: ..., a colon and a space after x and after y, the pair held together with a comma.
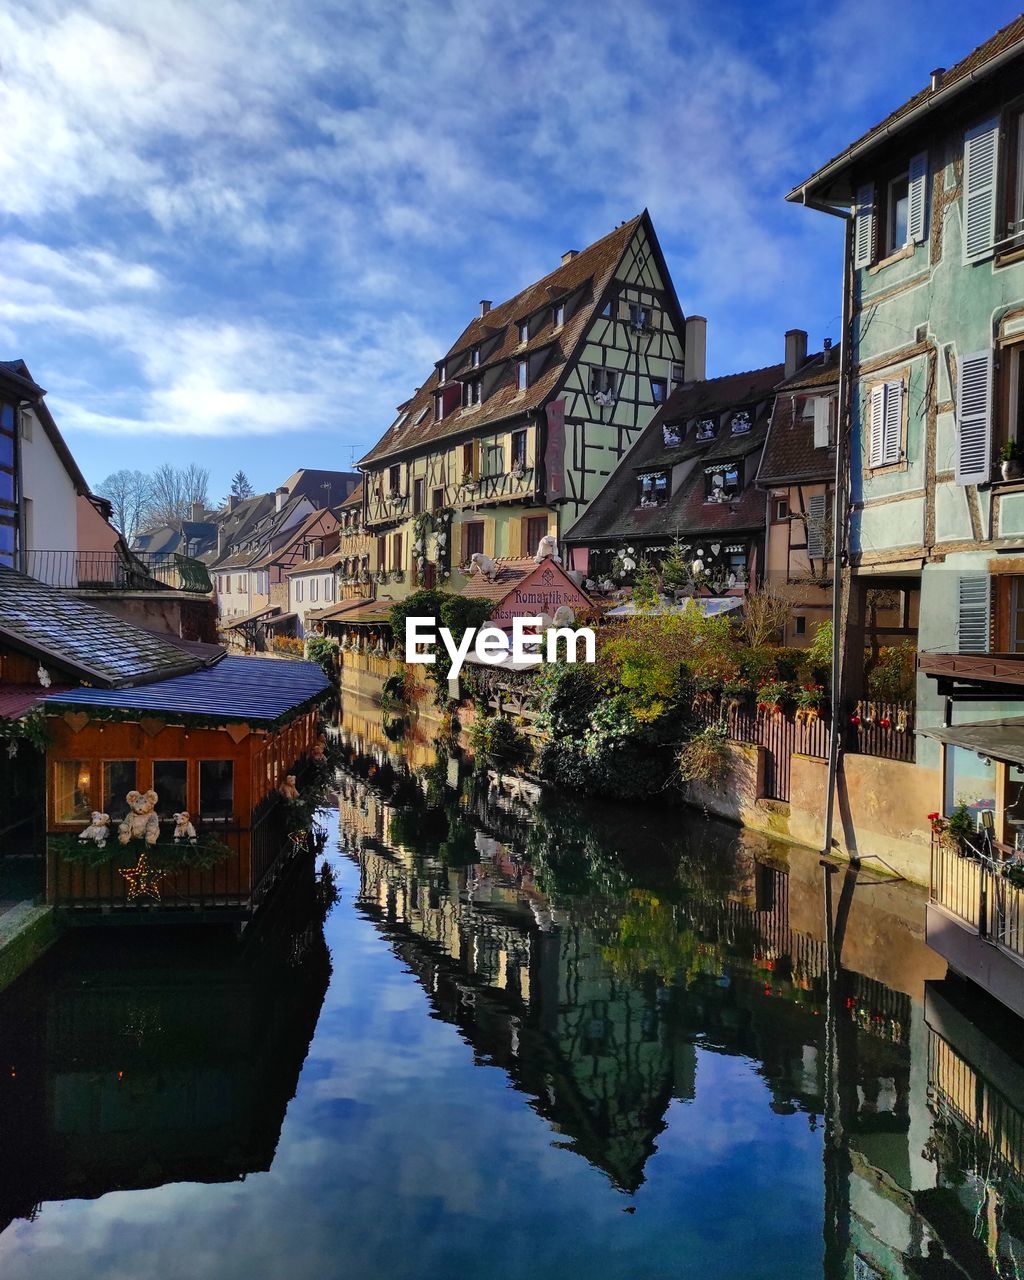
x: 527, y: 414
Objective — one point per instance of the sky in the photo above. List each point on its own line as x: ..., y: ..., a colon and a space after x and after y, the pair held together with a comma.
x: 241, y: 233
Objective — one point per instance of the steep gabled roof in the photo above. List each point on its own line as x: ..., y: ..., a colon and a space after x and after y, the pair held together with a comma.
x: 308, y: 482
x: 586, y: 276
x: 16, y: 372
x: 790, y: 456
x: 614, y: 513
x: 80, y: 640
x: 988, y: 57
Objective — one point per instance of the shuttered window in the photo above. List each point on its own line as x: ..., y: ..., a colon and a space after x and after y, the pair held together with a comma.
x: 973, y: 612
x: 974, y: 419
x: 822, y: 415
x: 981, y: 147
x: 886, y: 423
x: 917, y: 198
x: 864, y: 227
x: 818, y: 527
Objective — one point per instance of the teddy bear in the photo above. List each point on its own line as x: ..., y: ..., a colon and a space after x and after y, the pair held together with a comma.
x: 183, y: 828
x: 548, y: 548
x: 319, y: 749
x: 98, y: 830
x: 141, y: 821
x: 288, y: 788
x: 479, y: 563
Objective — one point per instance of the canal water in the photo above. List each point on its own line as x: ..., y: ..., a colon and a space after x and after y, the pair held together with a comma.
x: 510, y: 1035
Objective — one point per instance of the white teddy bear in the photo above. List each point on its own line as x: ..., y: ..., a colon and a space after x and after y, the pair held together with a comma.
x: 564, y: 616
x: 479, y: 563
x: 183, y: 828
x: 141, y: 821
x: 98, y: 830
x: 547, y: 548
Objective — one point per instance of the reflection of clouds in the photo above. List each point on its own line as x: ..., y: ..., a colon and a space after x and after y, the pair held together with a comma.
x: 400, y: 1157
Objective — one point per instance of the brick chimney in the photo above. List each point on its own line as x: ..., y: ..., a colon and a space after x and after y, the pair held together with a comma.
x: 197, y: 513
x: 485, y: 306
x: 232, y: 502
x: 695, y: 364
x: 222, y: 540
x: 569, y: 255
x: 796, y: 350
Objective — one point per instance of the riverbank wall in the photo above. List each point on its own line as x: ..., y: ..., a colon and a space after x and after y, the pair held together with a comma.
x: 26, y: 932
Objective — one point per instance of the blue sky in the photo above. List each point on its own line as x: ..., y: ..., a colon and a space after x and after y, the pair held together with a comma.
x: 241, y: 233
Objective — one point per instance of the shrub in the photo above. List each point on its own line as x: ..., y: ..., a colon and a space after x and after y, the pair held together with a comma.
x: 893, y: 676
x: 496, y: 739
x: 323, y: 650
x: 705, y: 758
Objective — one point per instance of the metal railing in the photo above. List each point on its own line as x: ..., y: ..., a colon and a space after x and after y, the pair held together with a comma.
x: 117, y: 570
x: 974, y: 887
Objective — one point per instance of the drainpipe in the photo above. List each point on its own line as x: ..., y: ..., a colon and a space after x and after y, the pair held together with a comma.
x: 839, y: 503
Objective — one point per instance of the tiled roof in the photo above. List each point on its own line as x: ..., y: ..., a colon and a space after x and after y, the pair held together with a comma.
x: 338, y: 611
x: 81, y: 640
x: 789, y: 453
x: 254, y: 690
x: 291, y: 538
x: 509, y: 574
x: 614, y: 514
x: 355, y: 498
x: 957, y: 78
x: 308, y: 482
x: 17, y: 699
x: 328, y: 560
x: 268, y: 610
x: 370, y: 612
x: 589, y: 271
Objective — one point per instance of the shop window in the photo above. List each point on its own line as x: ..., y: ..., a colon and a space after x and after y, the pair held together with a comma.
x: 170, y: 782
x: 653, y: 489
x: 73, y: 791
x: 216, y: 789
x: 119, y: 777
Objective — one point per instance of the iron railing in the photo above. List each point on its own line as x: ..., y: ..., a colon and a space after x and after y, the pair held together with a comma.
x: 118, y: 570
x: 975, y: 888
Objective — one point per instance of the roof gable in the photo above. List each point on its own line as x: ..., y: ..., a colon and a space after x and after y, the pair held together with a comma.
x: 525, y: 588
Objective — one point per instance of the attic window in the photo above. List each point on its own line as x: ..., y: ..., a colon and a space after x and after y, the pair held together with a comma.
x: 706, y: 428
x: 524, y: 331
x: 671, y: 434
x: 639, y: 316
x: 474, y: 393
x: 653, y: 489
x: 474, y: 357
x: 522, y: 375
x: 558, y: 316
x: 721, y: 482
x: 741, y: 422
x: 442, y: 372
x: 422, y: 414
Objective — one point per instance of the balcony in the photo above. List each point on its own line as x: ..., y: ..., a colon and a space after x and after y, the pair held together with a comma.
x: 119, y: 571
x: 958, y: 672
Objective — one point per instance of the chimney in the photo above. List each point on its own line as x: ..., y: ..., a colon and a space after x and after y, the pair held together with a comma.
x: 569, y: 255
x: 222, y: 540
x: 232, y: 502
x: 796, y: 350
x: 485, y: 306
x: 936, y: 76
x: 695, y: 366
x: 198, y: 513
x: 281, y: 495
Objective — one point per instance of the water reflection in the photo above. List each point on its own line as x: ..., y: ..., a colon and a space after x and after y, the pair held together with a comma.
x: 595, y: 955
x: 135, y: 1059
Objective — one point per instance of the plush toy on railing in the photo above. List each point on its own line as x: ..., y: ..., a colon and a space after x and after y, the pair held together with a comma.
x: 184, y: 831
x: 288, y: 789
x: 142, y: 821
x: 98, y: 831
x: 319, y: 749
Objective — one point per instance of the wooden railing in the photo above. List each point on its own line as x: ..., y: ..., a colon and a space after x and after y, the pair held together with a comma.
x: 884, y: 729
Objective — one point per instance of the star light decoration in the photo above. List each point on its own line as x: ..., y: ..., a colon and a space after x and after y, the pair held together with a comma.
x: 143, y: 880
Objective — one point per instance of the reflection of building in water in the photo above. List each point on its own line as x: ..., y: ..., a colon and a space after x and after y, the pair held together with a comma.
x: 132, y: 1067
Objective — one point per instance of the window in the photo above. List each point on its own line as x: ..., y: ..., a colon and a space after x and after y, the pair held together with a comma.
x: 329, y: 588
x: 737, y: 566
x: 170, y: 782
x: 314, y: 589
x: 536, y: 528
x: 800, y: 625
x: 659, y: 389
x: 473, y: 539
x: 524, y: 331
x: 1017, y: 614
x: 474, y: 393
x: 653, y: 489
x: 436, y: 499
x: 442, y: 372
x: 706, y: 429
x: 1015, y: 174
x: 886, y: 424
x: 638, y: 315
x: 606, y: 311
x: 417, y: 496
x: 671, y: 434
x: 394, y: 479
x: 494, y: 460
x: 897, y: 201
x: 240, y: 583
x: 474, y: 357
x: 519, y: 449
x: 1014, y: 396
x: 558, y: 316
x: 824, y: 411
x: 781, y: 509
x: 298, y: 589
x: 396, y: 551
x: 721, y: 482
x: 119, y: 777
x: 469, y: 459
x: 421, y: 415
x: 522, y: 375
x: 819, y: 527
x: 72, y: 791
x: 382, y: 551
x: 678, y: 374
x: 741, y: 422
x: 216, y: 789
x: 603, y: 382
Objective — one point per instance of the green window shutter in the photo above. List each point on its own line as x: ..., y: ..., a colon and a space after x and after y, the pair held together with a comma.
x: 974, y: 419
x: 974, y: 609
x: 917, y: 197
x: 864, y: 226
x: 893, y: 427
x: 981, y: 151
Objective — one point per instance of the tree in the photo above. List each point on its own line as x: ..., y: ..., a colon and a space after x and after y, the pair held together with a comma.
x: 175, y: 489
x: 241, y: 487
x: 130, y: 494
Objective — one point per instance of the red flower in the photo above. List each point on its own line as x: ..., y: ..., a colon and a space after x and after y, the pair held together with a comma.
x: 933, y: 816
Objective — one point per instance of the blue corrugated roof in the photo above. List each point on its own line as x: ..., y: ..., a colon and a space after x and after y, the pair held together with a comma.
x: 250, y: 689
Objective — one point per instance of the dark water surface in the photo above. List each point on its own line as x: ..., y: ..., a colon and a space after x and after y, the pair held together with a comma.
x: 530, y: 1039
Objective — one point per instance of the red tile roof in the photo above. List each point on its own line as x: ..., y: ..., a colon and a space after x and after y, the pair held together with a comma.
x: 789, y: 454
x: 18, y: 699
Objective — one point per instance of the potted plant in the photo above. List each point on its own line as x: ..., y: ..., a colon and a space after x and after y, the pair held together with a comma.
x: 1009, y: 458
x: 773, y: 696
x: 810, y: 699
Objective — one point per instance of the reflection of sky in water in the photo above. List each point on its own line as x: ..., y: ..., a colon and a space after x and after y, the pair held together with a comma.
x: 401, y: 1157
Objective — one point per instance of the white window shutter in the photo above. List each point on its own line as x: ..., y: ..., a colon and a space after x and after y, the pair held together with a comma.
x: 917, y: 197
x: 974, y: 610
x: 864, y: 226
x: 821, y: 415
x: 892, y: 431
x: 981, y: 150
x: 877, y: 422
x: 817, y: 532
x: 974, y: 417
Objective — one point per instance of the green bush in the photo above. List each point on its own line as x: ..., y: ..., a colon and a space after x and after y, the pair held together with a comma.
x: 324, y: 651
x: 496, y: 740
